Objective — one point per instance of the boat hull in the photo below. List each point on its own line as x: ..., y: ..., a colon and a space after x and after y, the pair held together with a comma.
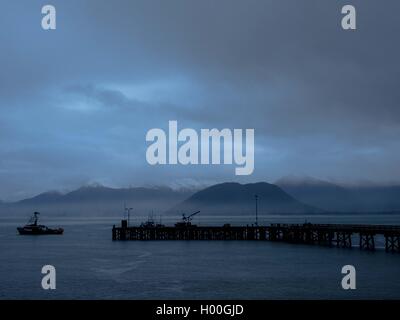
x: 38, y: 232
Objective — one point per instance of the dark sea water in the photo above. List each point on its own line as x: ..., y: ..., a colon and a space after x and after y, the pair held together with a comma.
x: 91, y: 266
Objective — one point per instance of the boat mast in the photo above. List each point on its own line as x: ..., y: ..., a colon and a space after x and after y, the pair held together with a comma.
x: 35, y: 218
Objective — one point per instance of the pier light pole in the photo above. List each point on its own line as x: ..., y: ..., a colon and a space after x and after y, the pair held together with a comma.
x: 129, y: 214
x: 256, y: 197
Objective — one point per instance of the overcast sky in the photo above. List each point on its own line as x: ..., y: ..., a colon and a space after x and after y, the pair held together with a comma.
x: 76, y: 103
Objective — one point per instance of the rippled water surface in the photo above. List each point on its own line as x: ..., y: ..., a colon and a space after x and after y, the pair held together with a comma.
x: 91, y: 266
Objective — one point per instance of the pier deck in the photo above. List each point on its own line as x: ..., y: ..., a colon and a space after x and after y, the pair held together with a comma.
x: 339, y: 235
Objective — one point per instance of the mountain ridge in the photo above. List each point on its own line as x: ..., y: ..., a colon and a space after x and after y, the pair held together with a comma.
x: 235, y: 198
x: 100, y: 200
x: 286, y: 195
x: 337, y: 198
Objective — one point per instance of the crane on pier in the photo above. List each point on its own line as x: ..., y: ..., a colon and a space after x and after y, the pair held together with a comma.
x: 186, y: 220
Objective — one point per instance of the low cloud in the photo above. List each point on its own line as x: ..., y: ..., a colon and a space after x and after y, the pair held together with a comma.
x: 76, y: 103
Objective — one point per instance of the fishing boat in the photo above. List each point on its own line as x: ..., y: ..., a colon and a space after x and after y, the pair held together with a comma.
x: 33, y: 228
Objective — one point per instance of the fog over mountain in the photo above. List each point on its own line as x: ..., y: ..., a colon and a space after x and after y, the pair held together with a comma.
x: 347, y: 198
x: 292, y: 195
x: 100, y: 201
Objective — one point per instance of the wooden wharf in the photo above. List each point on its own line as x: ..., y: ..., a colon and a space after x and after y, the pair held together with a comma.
x: 331, y: 235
